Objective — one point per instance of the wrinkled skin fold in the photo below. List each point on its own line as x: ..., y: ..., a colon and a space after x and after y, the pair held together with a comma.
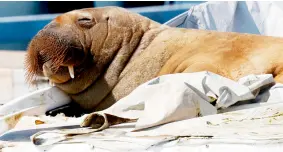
x: 99, y: 55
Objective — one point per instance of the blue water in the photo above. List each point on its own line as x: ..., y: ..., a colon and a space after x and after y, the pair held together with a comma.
x: 17, y: 32
x: 15, y: 46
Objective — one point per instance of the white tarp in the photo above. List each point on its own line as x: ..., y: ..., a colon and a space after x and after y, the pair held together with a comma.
x: 258, y: 128
x: 253, y: 17
x: 176, y: 97
x: 167, y: 107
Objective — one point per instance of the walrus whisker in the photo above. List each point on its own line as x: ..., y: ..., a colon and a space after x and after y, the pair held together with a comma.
x: 58, y: 58
x: 32, y: 62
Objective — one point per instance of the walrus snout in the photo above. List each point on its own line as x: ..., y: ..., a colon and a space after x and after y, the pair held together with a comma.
x: 66, y: 70
x: 54, y: 48
x: 60, y: 76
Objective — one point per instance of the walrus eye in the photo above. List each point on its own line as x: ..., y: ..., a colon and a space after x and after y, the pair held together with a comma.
x: 84, y: 19
x: 85, y: 22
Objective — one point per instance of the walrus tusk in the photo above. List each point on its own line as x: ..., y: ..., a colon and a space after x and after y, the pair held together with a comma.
x: 71, y: 71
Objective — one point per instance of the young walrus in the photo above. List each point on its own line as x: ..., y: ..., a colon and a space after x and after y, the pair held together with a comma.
x: 99, y: 55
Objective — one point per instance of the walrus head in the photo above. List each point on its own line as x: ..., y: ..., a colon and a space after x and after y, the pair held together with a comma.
x: 77, y: 47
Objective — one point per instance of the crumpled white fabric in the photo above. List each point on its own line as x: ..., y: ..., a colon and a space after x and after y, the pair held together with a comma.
x: 183, y: 96
x: 253, y: 17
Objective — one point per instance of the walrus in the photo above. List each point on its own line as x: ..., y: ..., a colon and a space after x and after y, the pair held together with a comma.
x: 100, y: 55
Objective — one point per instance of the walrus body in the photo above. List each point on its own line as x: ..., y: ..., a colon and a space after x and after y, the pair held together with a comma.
x: 112, y: 51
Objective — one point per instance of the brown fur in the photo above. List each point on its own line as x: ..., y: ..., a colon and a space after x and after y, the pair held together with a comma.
x: 114, y: 51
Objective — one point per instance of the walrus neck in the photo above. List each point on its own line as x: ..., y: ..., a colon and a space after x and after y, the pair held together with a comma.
x: 133, y: 42
x: 150, y: 34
